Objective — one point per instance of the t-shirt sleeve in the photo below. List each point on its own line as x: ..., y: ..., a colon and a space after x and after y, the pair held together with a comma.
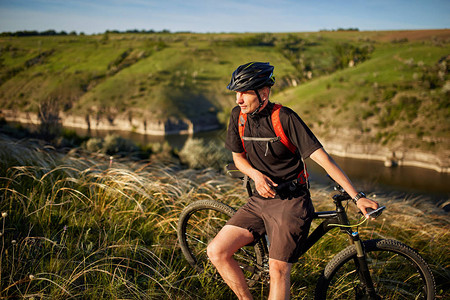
x: 299, y: 133
x: 233, y: 141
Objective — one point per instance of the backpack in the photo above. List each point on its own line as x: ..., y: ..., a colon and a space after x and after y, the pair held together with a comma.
x: 280, y: 136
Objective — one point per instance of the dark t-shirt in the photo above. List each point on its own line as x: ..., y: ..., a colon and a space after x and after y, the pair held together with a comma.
x: 274, y: 160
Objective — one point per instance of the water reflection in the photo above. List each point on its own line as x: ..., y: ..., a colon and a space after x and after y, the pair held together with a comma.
x: 373, y: 176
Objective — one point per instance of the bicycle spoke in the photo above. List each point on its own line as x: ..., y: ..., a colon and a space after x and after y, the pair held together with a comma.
x: 394, y: 275
x: 200, y: 223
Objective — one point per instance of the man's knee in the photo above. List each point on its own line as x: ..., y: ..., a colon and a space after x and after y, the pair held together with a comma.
x: 217, y: 253
x: 226, y: 243
x: 279, y: 269
x: 212, y: 251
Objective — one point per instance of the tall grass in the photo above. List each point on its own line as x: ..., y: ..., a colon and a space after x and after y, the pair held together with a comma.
x: 78, y: 225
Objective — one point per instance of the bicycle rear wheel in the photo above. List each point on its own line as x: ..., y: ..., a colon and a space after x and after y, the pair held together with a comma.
x: 199, y: 223
x: 397, y: 271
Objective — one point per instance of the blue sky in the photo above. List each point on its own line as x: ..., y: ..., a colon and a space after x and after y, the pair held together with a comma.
x: 96, y: 16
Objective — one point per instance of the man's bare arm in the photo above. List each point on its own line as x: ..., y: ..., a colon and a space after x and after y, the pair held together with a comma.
x: 321, y: 157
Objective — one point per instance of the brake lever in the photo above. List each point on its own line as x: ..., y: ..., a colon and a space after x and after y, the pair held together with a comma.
x: 374, y: 213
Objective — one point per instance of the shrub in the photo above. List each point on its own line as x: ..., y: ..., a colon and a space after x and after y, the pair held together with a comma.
x: 367, y: 114
x: 115, y: 144
x: 160, y: 151
x: 263, y: 39
x: 198, y: 155
x: 389, y: 94
x: 69, y: 138
x: 410, y: 105
x: 111, y: 145
x: 50, y: 122
x: 346, y: 53
x: 94, y: 145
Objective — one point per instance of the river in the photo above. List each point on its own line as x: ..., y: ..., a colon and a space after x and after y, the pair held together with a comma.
x: 371, y: 176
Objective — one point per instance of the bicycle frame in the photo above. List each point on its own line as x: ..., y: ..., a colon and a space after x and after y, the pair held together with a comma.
x: 333, y: 219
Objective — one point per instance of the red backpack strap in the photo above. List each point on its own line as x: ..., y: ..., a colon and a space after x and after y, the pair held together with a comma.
x: 303, y: 176
x: 276, y: 123
x: 241, y: 126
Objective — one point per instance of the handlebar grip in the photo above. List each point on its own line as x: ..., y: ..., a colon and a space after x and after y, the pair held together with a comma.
x: 374, y: 213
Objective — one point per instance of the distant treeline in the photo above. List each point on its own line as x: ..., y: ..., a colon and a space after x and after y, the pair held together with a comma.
x: 37, y: 33
x: 52, y: 32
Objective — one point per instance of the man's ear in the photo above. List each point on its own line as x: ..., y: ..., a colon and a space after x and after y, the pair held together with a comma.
x: 265, y: 91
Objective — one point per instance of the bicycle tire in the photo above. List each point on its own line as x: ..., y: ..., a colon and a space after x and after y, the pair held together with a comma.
x: 397, y: 271
x: 199, y: 223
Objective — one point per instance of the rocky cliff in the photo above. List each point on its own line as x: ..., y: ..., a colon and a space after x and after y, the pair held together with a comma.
x: 121, y: 122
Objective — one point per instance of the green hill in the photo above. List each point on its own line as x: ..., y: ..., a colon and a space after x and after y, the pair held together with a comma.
x: 399, y: 99
x: 385, y: 88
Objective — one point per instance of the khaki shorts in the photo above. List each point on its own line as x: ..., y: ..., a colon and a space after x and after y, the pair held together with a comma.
x: 286, y: 223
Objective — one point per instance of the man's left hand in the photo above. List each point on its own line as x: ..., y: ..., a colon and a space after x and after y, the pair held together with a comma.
x: 364, y: 203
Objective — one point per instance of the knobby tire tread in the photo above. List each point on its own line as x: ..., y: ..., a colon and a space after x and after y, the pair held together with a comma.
x: 377, y: 245
x: 186, y: 213
x: 220, y: 207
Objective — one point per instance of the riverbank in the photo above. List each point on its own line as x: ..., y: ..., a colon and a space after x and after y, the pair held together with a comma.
x: 144, y: 126
x: 438, y: 162
x: 390, y: 157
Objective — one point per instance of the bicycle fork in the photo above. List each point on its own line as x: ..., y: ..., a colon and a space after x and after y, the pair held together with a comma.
x: 367, y: 290
x: 363, y: 270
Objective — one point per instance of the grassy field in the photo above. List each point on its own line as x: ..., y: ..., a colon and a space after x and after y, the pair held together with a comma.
x: 80, y: 225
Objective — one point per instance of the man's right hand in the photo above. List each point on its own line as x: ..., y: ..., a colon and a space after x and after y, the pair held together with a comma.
x: 264, y: 186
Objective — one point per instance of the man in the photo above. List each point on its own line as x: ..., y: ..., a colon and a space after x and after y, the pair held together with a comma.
x: 284, y: 214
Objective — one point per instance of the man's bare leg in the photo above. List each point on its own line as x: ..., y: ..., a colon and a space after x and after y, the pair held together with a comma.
x: 220, y: 251
x: 280, y: 279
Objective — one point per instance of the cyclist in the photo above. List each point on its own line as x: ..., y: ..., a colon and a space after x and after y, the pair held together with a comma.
x: 281, y: 206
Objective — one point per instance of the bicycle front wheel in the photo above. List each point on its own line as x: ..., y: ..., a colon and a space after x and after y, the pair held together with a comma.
x: 397, y: 271
x: 199, y: 223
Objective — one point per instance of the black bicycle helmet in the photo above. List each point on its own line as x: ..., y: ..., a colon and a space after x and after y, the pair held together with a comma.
x: 252, y: 76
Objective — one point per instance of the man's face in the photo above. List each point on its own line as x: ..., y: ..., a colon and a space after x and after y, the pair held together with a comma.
x: 248, y: 101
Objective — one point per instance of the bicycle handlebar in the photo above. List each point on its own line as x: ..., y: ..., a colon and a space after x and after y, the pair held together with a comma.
x: 375, y: 213
x: 342, y: 196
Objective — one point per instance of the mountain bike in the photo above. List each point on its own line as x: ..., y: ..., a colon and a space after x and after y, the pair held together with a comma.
x: 370, y: 269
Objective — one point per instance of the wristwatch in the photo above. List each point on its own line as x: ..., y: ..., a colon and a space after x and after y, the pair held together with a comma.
x: 359, y: 196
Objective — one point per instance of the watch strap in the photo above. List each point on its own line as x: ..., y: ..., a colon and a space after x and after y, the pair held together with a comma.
x: 359, y: 196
